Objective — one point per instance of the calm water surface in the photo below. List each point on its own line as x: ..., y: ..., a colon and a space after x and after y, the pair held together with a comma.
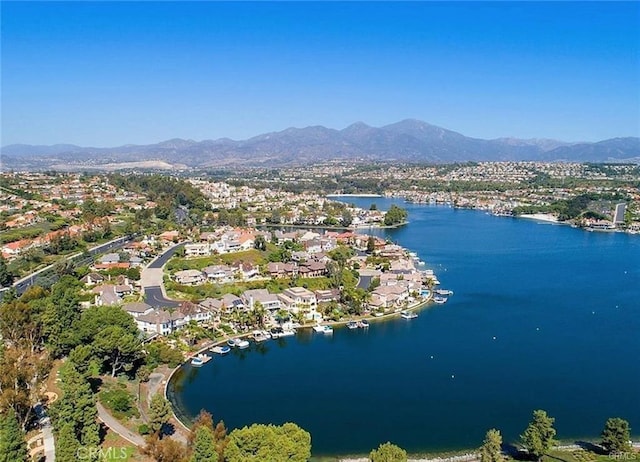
x: 543, y: 317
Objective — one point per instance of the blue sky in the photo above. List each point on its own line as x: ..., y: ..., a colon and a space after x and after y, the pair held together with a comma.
x: 106, y: 74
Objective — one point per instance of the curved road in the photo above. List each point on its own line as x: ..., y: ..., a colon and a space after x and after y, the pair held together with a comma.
x: 151, y: 280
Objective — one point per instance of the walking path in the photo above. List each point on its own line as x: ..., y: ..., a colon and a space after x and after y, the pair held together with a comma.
x: 117, y: 427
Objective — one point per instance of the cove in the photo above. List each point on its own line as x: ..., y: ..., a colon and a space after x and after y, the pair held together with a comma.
x: 543, y: 317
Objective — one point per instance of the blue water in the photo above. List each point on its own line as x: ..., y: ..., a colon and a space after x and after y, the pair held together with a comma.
x: 564, y: 308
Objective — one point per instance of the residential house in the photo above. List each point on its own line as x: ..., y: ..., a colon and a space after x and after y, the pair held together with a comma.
x: 282, y: 270
x: 137, y: 309
x: 220, y: 274
x: 92, y: 279
x: 189, y: 277
x: 268, y: 301
x: 298, y: 298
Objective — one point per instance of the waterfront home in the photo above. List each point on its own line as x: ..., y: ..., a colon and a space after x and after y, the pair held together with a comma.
x: 326, y: 296
x: 267, y: 300
x: 215, y: 305
x: 298, y: 298
x: 137, y: 309
x: 392, y: 294
x: 189, y: 277
x: 160, y: 322
x: 232, y: 302
x: 194, y: 312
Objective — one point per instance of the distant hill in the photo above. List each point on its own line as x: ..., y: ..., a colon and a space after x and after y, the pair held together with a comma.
x: 406, y: 141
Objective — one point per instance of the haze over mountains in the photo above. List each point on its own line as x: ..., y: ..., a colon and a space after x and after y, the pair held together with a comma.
x: 406, y: 141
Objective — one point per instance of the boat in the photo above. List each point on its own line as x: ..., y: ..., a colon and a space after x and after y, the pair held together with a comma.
x: 287, y: 333
x: 364, y: 324
x: 443, y: 292
x: 199, y: 360
x: 352, y: 325
x: 241, y: 343
x: 421, y: 263
x: 323, y: 329
x: 260, y: 336
x: 232, y: 342
x: 440, y: 300
x: 408, y: 315
x: 276, y: 332
x: 221, y: 349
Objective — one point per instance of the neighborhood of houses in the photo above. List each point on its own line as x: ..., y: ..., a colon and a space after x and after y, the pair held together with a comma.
x: 399, y: 282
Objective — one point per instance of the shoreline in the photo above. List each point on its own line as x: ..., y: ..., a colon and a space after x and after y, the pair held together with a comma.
x: 545, y: 217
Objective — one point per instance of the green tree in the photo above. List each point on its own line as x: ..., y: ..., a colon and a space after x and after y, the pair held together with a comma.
x: 371, y: 244
x: 159, y: 413
x: 117, y: 348
x: 347, y: 218
x: 616, y: 435
x: 75, y: 414
x: 6, y: 278
x: 537, y: 439
x: 203, y: 449
x: 395, y: 215
x: 260, y: 243
x: 491, y: 451
x: 388, y: 452
x: 13, y: 447
x: 269, y: 443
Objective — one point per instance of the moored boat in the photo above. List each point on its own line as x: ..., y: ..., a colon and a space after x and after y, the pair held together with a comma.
x: 443, y: 292
x: 260, y: 336
x: 364, y: 324
x: 201, y: 359
x: 440, y: 300
x: 408, y: 315
x: 352, y: 325
x: 221, y: 349
x: 241, y: 343
x: 196, y: 362
x: 232, y: 342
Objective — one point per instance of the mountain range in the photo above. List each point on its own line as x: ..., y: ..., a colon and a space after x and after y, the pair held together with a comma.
x: 406, y: 141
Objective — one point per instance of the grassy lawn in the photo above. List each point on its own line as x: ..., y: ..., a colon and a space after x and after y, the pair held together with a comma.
x: 116, y: 448
x: 274, y: 286
x: 255, y: 257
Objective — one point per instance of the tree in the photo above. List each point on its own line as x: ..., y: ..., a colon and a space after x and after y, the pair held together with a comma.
x: 262, y: 443
x: 491, y: 448
x: 537, y: 439
x: 616, y: 435
x: 260, y: 243
x: 388, y: 452
x: 347, y: 218
x: 117, y: 348
x: 75, y: 414
x: 159, y: 413
x: 373, y: 206
x: 165, y: 450
x: 395, y: 215
x: 6, y: 278
x: 203, y: 449
x: 13, y: 447
x: 371, y: 244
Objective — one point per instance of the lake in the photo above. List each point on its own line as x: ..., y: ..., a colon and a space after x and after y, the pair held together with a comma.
x: 543, y: 317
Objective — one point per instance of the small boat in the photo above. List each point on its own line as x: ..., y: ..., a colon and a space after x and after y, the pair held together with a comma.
x: 221, y: 349
x: 288, y: 332
x: 408, y: 315
x: 323, y: 329
x: 260, y: 336
x: 232, y: 342
x: 276, y: 332
x: 241, y: 343
x: 364, y: 324
x: 199, y: 360
x: 440, y: 300
x: 352, y: 325
x: 443, y: 292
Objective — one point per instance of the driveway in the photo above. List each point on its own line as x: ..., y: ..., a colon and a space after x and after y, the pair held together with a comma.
x: 151, y: 280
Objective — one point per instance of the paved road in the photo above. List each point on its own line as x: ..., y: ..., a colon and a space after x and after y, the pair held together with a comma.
x: 117, y: 427
x: 155, y: 297
x: 151, y: 280
x: 23, y: 284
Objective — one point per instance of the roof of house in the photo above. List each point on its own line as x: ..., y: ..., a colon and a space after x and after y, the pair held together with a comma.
x: 136, y: 307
